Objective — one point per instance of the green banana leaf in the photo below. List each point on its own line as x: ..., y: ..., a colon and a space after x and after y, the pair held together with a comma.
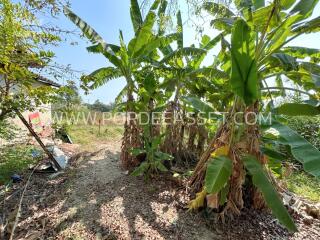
x: 261, y: 181
x: 298, y: 109
x: 161, y: 15
x: 218, y: 10
x: 180, y: 30
x: 311, y: 26
x: 87, y: 30
x: 244, y: 77
x: 102, y: 75
x: 217, y: 174
x: 304, y: 8
x: 143, y: 36
x: 201, y: 107
x: 258, y: 4
x: 136, y: 17
x: 187, y: 51
x: 301, y: 149
x: 302, y: 52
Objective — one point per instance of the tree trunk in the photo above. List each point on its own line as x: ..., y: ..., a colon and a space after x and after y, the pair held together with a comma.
x: 241, y: 140
x: 131, y: 136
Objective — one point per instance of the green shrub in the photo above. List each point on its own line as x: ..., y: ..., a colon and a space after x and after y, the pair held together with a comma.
x: 308, y: 127
x: 61, y: 130
x: 15, y: 159
x: 7, y: 130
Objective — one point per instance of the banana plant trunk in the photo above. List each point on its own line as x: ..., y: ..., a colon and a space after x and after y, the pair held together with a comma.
x: 241, y: 139
x: 131, y: 136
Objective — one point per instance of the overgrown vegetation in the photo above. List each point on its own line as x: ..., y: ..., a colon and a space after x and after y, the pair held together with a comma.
x: 7, y: 130
x: 88, y: 136
x: 22, y: 54
x: 308, y: 127
x: 304, y: 185
x: 16, y: 159
x: 234, y: 166
x: 181, y: 109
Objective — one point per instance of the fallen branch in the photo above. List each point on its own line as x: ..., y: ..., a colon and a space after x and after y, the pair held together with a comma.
x: 35, y: 135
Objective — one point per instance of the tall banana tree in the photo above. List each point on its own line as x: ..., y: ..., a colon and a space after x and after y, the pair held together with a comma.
x: 127, y: 61
x: 184, y: 74
x: 234, y: 168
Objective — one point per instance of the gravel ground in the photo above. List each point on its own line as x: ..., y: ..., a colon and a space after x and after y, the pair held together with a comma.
x: 95, y: 199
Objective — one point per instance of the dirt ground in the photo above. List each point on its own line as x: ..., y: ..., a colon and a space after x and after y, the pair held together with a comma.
x: 95, y: 199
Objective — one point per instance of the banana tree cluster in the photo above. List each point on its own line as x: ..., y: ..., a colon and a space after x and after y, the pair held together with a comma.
x: 255, y: 66
x: 149, y: 49
x: 127, y: 60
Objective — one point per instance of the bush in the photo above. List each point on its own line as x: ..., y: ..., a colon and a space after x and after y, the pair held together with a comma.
x: 15, y: 159
x: 7, y: 130
x: 308, y: 127
x: 61, y: 131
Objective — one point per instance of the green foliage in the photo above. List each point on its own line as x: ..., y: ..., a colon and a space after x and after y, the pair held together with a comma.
x: 154, y: 157
x: 7, y: 130
x: 301, y: 149
x: 89, y: 138
x: 127, y: 59
x: 87, y: 30
x: 307, y: 127
x: 22, y: 52
x: 304, y: 185
x: 154, y: 162
x: 100, y: 77
x: 261, y: 181
x: 136, y: 16
x: 15, y: 159
x: 304, y: 8
x: 200, y: 106
x: 254, y: 50
x: 100, y: 107
x: 244, y: 76
x: 298, y: 109
x: 218, y: 10
x: 150, y: 101
x: 69, y: 100
x: 217, y: 174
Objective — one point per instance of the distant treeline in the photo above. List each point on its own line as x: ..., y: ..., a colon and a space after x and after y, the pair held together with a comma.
x: 99, y: 106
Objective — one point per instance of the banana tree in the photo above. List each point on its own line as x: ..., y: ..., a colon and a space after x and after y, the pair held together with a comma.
x: 184, y: 74
x: 233, y: 169
x: 127, y: 61
x: 150, y: 103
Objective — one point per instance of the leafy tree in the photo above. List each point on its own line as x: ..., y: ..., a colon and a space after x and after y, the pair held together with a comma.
x: 21, y: 52
x: 69, y: 100
x: 53, y: 6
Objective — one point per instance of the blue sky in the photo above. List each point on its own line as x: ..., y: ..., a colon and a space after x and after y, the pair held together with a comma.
x: 108, y: 17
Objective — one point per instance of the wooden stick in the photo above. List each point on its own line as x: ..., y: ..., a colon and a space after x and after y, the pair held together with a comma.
x: 35, y: 135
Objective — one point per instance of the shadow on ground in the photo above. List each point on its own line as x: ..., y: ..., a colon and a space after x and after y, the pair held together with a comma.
x: 97, y: 200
